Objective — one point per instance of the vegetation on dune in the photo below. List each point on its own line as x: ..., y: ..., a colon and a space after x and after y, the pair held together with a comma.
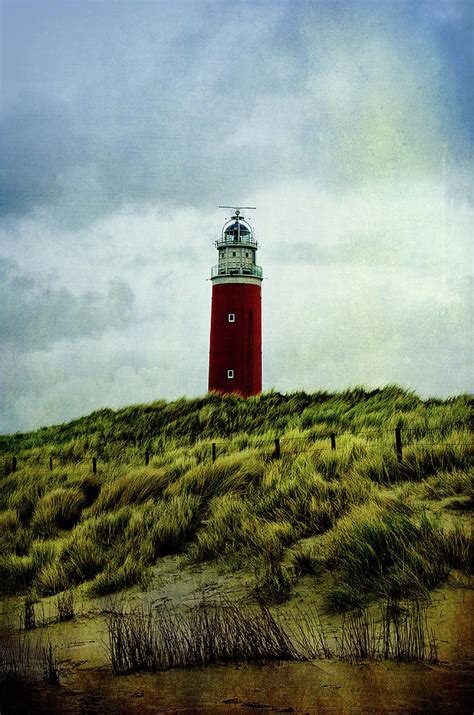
x: 364, y: 522
x: 385, y: 548
x: 157, y: 639
x: 109, y: 432
x: 22, y: 660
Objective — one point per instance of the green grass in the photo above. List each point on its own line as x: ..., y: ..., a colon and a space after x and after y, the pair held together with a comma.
x: 136, y: 486
x: 113, y: 579
x: 365, y: 524
x: 449, y: 484
x: 385, y: 548
x: 14, y: 538
x: 58, y: 509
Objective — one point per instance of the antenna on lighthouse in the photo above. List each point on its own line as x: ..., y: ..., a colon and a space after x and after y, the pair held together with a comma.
x: 237, y: 209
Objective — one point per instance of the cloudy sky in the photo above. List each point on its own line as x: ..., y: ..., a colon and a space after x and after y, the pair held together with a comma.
x: 124, y: 124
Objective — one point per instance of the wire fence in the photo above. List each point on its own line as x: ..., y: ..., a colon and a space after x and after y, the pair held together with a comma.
x: 274, y: 448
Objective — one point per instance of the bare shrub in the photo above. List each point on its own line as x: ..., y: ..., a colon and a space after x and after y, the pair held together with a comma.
x: 401, y: 633
x: 147, y: 639
x: 406, y: 634
x: 65, y: 606
x: 222, y: 632
x: 22, y: 658
x: 17, y: 656
x: 49, y: 665
x: 308, y: 636
x: 27, y: 613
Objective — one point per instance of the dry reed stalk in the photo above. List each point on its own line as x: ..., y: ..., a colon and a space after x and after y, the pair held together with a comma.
x: 219, y: 631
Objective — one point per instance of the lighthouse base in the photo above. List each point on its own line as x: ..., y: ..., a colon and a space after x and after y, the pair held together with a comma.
x: 235, y: 357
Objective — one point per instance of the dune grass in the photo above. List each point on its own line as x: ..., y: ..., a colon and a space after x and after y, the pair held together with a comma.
x: 387, y: 549
x: 58, y: 509
x: 368, y: 515
x: 22, y: 660
x: 220, y: 632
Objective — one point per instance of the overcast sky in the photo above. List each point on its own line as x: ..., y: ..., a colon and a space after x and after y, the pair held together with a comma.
x: 124, y: 125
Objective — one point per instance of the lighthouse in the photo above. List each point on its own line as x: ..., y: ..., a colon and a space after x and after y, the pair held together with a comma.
x: 235, y: 356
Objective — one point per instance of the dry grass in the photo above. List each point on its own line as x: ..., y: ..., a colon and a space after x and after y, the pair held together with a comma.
x: 22, y: 659
x: 221, y: 632
x: 65, y: 606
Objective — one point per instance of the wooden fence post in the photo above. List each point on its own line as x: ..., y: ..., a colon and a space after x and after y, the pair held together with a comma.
x: 277, y: 453
x: 398, y: 443
x: 51, y: 463
x: 94, y: 465
x: 147, y: 456
x: 333, y: 440
x: 213, y: 451
x: 14, y: 464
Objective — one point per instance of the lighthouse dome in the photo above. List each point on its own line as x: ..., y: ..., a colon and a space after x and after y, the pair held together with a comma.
x: 237, y: 230
x: 234, y: 227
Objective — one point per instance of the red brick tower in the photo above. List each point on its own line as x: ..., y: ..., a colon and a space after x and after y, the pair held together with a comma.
x: 235, y: 356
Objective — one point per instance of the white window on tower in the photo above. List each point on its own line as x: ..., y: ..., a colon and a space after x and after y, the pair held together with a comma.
x: 230, y: 374
x: 231, y: 317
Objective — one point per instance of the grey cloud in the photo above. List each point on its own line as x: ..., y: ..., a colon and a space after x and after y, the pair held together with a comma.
x: 148, y: 125
x: 307, y: 253
x: 375, y: 249
x: 87, y: 167
x: 157, y: 120
x: 34, y: 314
x: 35, y: 148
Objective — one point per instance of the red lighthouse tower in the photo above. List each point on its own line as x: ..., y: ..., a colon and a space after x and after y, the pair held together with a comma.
x: 235, y: 357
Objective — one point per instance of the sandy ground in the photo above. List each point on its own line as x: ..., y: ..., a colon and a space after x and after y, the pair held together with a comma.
x: 327, y: 686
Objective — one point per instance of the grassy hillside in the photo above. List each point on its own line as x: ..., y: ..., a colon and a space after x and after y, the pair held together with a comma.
x: 364, y: 522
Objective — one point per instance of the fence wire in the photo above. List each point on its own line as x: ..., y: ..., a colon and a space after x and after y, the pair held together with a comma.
x: 269, y: 447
